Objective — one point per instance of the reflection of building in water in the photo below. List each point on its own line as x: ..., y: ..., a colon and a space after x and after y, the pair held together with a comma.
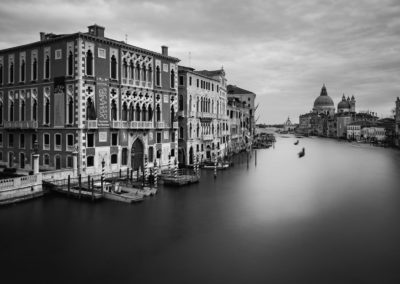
x: 106, y: 98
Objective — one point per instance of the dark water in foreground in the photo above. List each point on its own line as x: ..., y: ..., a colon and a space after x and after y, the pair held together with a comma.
x: 330, y: 217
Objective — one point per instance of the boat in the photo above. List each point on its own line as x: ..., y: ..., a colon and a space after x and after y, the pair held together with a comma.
x: 302, y: 153
x: 220, y: 165
x: 296, y: 143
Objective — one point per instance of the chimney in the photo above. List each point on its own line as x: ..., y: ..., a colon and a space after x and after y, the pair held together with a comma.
x: 42, y: 36
x: 164, y: 50
x: 96, y: 30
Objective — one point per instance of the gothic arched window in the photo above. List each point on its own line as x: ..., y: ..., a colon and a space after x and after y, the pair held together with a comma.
x: 11, y: 112
x: 137, y: 112
x: 138, y: 71
x: 180, y: 102
x: 113, y: 110
x: 124, y: 69
x: 22, y: 78
x: 34, y: 110
x: 70, y: 110
x: 113, y: 67
x: 11, y: 73
x: 34, y: 70
x: 70, y: 63
x: 150, y: 114
x: 124, y: 112
x: 22, y: 118
x: 47, y: 68
x: 172, y: 79
x: 158, y: 76
x: 47, y: 111
x: 89, y: 63
x: 158, y: 110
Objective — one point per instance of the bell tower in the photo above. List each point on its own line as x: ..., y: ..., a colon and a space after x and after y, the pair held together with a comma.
x: 352, y: 104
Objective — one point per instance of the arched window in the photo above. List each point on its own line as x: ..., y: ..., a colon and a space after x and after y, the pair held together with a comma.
x: 70, y: 63
x: 150, y: 112
x: 47, y: 111
x: 131, y: 69
x: 124, y: 69
x: 124, y: 157
x: 158, y: 76
x: 113, y: 110
x: 190, y: 103
x: 34, y: 70
x: 46, y: 159
x: 70, y: 110
x: 47, y: 68
x: 190, y: 130
x: 144, y: 113
x: 172, y: 78
x: 34, y: 110
x: 180, y: 102
x: 89, y: 63
x: 181, y: 132
x: 22, y: 118
x: 137, y: 112
x: 113, y: 67
x: 124, y: 112
x: 138, y: 71
x: 22, y: 77
x: 197, y: 104
x: 11, y: 112
x: 144, y: 73
x: 172, y: 115
x: 90, y: 110
x: 212, y: 106
x: 158, y: 110
x: 11, y: 73
x: 150, y: 77
x: 131, y: 112
x: 198, y: 130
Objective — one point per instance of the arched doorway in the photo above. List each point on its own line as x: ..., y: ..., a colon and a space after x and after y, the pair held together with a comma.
x: 181, y: 156
x: 191, y: 155
x: 137, y: 152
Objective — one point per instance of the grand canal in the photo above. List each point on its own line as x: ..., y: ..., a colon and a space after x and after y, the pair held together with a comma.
x: 330, y: 217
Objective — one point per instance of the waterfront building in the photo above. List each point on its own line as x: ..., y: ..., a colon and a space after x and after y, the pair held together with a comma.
x: 288, y: 126
x: 238, y: 124
x: 248, y: 100
x: 202, y: 113
x: 87, y: 95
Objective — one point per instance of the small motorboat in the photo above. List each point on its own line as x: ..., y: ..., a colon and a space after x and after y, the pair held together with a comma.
x: 221, y: 165
x: 296, y: 143
x: 302, y: 153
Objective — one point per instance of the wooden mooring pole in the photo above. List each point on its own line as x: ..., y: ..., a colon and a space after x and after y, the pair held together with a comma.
x: 255, y: 157
x: 80, y: 184
x: 92, y: 189
x: 69, y: 185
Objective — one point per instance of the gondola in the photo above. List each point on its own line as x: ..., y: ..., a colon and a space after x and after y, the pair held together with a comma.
x: 302, y: 153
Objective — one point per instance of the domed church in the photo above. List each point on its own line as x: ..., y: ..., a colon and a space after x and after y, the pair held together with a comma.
x: 348, y: 105
x: 324, y: 103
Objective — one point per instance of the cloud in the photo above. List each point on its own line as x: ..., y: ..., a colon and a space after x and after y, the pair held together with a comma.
x: 282, y: 50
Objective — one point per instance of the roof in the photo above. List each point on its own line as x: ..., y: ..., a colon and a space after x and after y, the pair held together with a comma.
x: 54, y: 37
x: 212, y: 73
x: 234, y: 90
x: 193, y: 71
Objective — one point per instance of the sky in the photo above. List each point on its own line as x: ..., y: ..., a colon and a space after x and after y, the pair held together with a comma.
x: 283, y: 51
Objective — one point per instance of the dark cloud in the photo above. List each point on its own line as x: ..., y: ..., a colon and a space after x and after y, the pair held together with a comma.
x: 282, y: 50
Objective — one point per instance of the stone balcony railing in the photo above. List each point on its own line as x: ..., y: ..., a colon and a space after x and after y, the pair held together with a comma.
x: 117, y: 124
x: 208, y: 137
x: 28, y: 124
x: 162, y: 124
x: 91, y: 124
x: 206, y: 115
x: 175, y: 124
x: 141, y: 124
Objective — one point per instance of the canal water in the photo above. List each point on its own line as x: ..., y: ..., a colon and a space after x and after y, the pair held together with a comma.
x: 332, y: 216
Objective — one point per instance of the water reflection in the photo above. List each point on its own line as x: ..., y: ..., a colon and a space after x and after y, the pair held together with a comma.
x: 329, y: 217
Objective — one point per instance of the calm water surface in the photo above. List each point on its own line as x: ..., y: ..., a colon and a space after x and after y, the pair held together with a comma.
x: 330, y: 217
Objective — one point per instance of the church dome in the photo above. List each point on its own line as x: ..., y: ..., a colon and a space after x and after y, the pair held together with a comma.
x: 323, y: 102
x: 344, y: 104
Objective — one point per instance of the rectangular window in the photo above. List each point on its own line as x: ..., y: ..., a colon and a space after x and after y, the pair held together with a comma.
x: 10, y: 140
x: 158, y: 137
x: 58, y: 145
x: 1, y: 156
x: 114, y: 139
x: 197, y: 148
x: 22, y: 141
x: 90, y: 139
x: 172, y: 152
x: 190, y: 81
x: 69, y: 162
x: 1, y: 139
x: 58, y: 54
x: 202, y: 147
x: 101, y: 53
x: 34, y: 137
x: 181, y: 80
x: 46, y: 141
x: 70, y: 142
x: 90, y: 161
x: 197, y: 81
x: 114, y: 159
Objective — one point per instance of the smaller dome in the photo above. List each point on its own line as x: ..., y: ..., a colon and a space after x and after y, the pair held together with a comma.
x: 344, y: 104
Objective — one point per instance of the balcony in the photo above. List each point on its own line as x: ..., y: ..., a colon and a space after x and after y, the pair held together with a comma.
x: 119, y: 124
x: 70, y: 148
x: 91, y: 124
x: 28, y: 124
x: 206, y: 115
x: 141, y: 124
x: 162, y: 124
x: 208, y: 137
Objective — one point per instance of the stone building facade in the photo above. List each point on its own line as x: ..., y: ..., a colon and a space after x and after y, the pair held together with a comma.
x: 85, y: 93
x: 202, y: 112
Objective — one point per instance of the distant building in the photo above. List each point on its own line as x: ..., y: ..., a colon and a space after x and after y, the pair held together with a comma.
x: 288, y: 126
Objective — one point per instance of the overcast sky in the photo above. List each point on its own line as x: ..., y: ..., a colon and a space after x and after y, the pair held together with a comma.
x: 281, y: 50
